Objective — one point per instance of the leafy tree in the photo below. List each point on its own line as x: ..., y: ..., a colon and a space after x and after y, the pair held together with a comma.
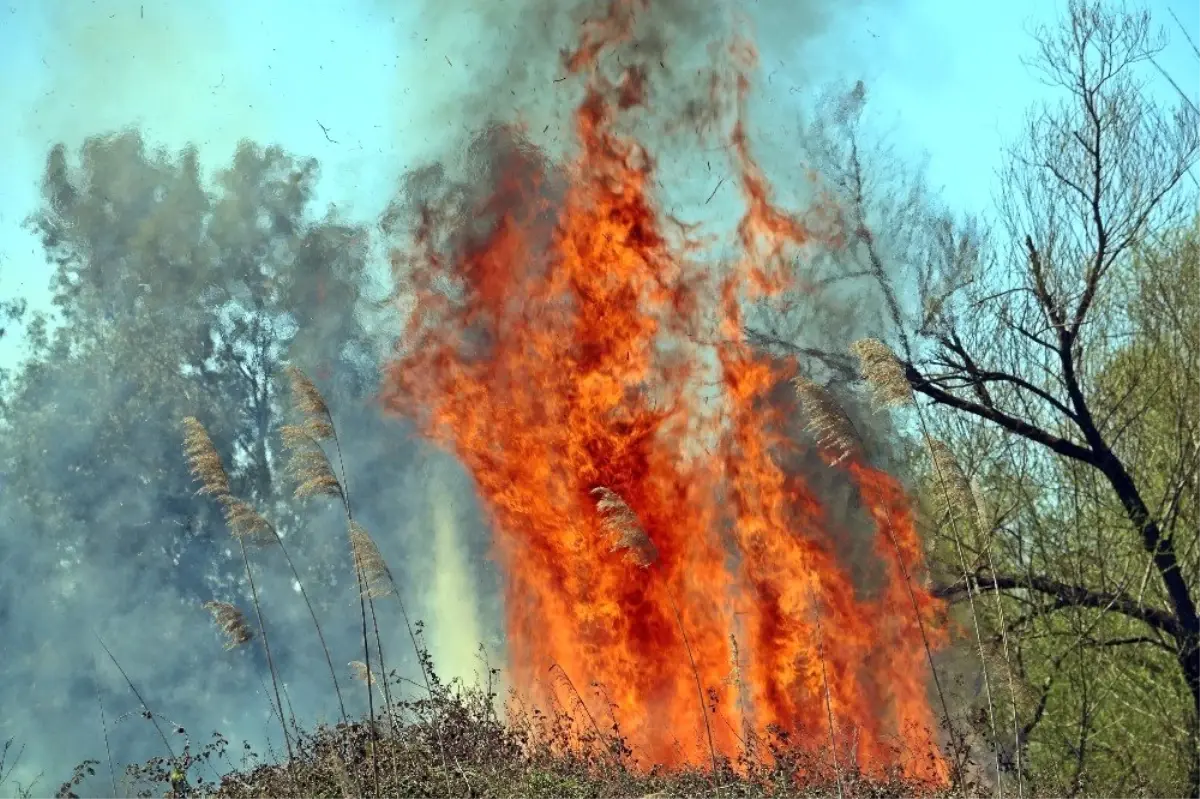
x: 175, y: 298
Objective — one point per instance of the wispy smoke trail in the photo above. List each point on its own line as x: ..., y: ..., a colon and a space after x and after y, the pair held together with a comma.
x: 452, y: 602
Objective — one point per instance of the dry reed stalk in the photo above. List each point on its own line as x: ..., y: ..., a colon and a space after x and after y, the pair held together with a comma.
x: 882, y: 370
x: 983, y: 510
x: 373, y: 572
x: 112, y: 772
x: 886, y: 377
x: 984, y: 519
x: 315, y: 477
x: 146, y: 711
x: 623, y: 526
x: 957, y: 499
x: 566, y: 678
x: 735, y: 677
x: 833, y: 750
x: 375, y: 579
x: 370, y: 569
x: 245, y: 523
x: 687, y: 647
x: 231, y: 621
x: 266, y: 646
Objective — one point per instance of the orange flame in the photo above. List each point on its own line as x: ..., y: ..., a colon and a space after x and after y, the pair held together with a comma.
x: 571, y: 356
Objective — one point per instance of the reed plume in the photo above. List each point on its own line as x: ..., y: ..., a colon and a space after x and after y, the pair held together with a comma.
x: 308, y: 463
x: 309, y: 430
x: 244, y: 521
x: 313, y: 474
x: 623, y: 526
x: 376, y: 581
x: 957, y: 500
x: 883, y: 372
x: 231, y: 621
x: 308, y: 399
x: 827, y: 421
x: 203, y: 461
x: 360, y: 672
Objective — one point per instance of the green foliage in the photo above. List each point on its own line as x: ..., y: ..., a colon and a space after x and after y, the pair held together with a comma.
x: 1102, y: 704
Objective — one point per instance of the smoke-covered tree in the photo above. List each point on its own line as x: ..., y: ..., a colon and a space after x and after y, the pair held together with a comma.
x: 175, y: 297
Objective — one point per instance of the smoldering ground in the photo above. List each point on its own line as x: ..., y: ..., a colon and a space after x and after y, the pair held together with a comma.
x: 133, y: 566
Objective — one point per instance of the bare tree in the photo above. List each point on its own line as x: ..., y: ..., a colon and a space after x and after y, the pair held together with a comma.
x: 1016, y: 340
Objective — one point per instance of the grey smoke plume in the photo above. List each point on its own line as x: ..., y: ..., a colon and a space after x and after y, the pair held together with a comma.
x: 515, y: 48
x: 499, y: 64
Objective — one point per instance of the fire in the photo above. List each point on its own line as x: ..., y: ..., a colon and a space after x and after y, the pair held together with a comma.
x: 580, y: 361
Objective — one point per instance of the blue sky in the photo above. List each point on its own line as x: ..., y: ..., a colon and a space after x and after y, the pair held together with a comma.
x: 944, y: 78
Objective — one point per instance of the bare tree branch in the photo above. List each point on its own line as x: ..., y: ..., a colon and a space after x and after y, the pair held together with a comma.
x: 1066, y: 595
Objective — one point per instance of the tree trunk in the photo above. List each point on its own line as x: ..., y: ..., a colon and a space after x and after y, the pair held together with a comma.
x: 1179, y: 594
x: 1189, y: 661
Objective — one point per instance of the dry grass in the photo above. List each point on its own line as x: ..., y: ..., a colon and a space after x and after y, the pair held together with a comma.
x: 531, y: 754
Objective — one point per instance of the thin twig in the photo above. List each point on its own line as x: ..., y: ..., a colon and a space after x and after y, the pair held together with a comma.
x: 107, y: 748
x: 712, y: 749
